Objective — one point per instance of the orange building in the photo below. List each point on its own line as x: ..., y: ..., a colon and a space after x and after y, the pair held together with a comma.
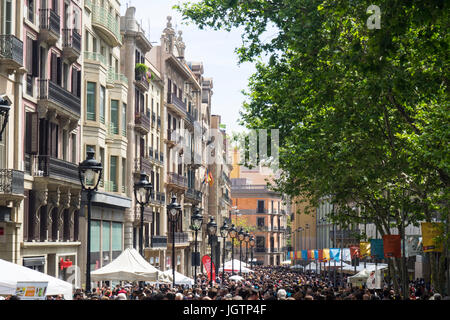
x: 261, y: 211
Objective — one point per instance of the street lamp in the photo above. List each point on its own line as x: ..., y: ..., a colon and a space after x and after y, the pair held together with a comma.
x: 5, y: 107
x: 87, y: 171
x: 246, y: 239
x: 241, y: 237
x: 144, y: 189
x: 252, y: 245
x: 233, y: 235
x: 212, y: 230
x: 196, y: 224
x: 174, y: 210
x: 224, y: 231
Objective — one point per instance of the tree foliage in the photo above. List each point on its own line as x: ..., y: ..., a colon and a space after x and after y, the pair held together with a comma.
x: 363, y: 113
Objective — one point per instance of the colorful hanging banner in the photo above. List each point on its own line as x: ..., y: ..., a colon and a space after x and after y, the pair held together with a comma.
x: 335, y: 254
x: 316, y: 254
x: 346, y: 256
x: 376, y: 248
x: 430, y: 231
x: 392, y: 246
x: 298, y: 255
x: 310, y: 254
x: 364, y: 248
x: 355, y: 252
x: 320, y: 252
x: 305, y: 255
x: 326, y: 254
x: 413, y: 246
x: 206, y: 260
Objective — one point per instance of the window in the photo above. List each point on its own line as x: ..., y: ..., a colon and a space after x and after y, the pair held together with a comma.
x: 260, y: 222
x: 113, y: 173
x: 106, y: 242
x: 90, y: 101
x: 116, y: 244
x: 115, y: 116
x: 124, y: 169
x: 6, y: 17
x: 30, y: 10
x: 124, y: 119
x: 102, y: 104
x: 102, y: 161
x: 260, y: 206
x: 74, y: 148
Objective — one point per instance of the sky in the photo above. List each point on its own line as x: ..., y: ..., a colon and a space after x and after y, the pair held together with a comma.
x: 214, y: 48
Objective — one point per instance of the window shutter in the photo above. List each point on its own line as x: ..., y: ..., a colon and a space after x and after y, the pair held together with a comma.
x: 35, y: 58
x: 59, y: 70
x: 32, y: 133
x: 74, y: 81
x: 54, y: 71
x: 78, y: 83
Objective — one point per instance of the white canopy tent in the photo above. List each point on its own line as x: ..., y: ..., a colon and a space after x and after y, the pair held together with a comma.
x: 130, y: 266
x: 237, y: 266
x: 179, y: 278
x: 365, y: 276
x: 286, y: 262
x: 11, y: 273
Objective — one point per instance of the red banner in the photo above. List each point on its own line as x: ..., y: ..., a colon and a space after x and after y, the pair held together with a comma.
x: 311, y: 254
x: 354, y: 252
x: 206, y: 260
x: 321, y: 255
x: 392, y: 246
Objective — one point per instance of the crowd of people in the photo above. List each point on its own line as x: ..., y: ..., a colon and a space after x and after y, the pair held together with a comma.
x: 266, y: 283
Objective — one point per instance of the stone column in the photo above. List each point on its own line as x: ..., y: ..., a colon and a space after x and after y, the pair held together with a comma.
x: 53, y: 202
x: 75, y: 201
x: 64, y: 203
x: 40, y: 200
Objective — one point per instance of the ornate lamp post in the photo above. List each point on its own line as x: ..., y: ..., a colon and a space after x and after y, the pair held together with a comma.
x: 233, y: 235
x: 212, y: 230
x: 224, y: 230
x: 247, y: 240
x: 5, y: 106
x: 144, y: 189
x: 196, y: 224
x: 252, y: 245
x: 241, y: 237
x: 88, y: 170
x: 174, y: 210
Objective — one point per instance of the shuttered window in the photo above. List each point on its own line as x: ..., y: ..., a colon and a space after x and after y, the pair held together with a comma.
x: 115, y: 116
x: 90, y: 101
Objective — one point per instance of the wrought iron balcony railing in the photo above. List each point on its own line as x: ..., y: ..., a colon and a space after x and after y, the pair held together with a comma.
x: 72, y: 39
x: 66, y: 100
x: 177, y: 102
x: 11, y: 181
x: 11, y: 48
x: 159, y: 241
x: 142, y: 122
x: 57, y: 168
x: 50, y: 20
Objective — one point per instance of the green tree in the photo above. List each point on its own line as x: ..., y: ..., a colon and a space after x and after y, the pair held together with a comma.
x: 363, y: 113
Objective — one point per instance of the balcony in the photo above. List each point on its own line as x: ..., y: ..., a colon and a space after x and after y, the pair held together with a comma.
x: 11, y: 184
x: 58, y: 169
x: 11, y: 51
x: 71, y: 44
x: 142, y: 123
x: 141, y: 80
x: 161, y: 158
x: 142, y: 164
x: 54, y: 97
x: 261, y: 250
x: 176, y: 181
x: 180, y: 237
x: 115, y: 78
x: 159, y: 122
x: 176, y: 104
x: 193, y: 195
x: 95, y: 56
x: 159, y: 242
x: 106, y: 24
x: 50, y: 26
x: 246, y: 189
